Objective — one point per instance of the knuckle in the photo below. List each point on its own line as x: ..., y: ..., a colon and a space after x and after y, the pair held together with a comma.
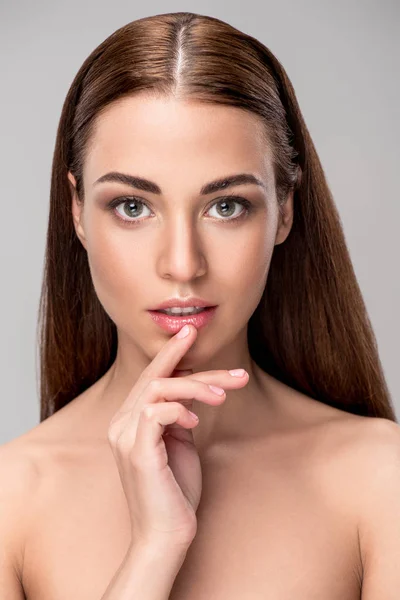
x: 147, y: 411
x: 112, y: 435
x: 124, y: 446
x: 155, y: 385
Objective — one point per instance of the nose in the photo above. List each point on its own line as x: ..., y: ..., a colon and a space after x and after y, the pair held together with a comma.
x: 181, y: 254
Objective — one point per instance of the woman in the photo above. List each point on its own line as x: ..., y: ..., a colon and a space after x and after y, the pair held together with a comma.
x: 183, y: 171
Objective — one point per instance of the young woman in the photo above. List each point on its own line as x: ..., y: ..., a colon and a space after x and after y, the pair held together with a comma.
x: 184, y: 176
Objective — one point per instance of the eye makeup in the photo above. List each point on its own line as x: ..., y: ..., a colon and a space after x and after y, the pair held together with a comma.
x: 248, y: 208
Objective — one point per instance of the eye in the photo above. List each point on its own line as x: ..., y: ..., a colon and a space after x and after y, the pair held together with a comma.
x: 225, y: 207
x: 133, y: 207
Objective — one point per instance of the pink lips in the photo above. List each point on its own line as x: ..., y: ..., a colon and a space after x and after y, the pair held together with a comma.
x: 174, y: 324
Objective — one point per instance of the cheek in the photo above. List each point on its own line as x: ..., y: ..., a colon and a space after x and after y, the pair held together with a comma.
x: 247, y: 263
x: 117, y: 270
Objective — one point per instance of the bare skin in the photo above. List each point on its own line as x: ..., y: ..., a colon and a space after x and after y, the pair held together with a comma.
x: 278, y: 512
x: 277, y: 517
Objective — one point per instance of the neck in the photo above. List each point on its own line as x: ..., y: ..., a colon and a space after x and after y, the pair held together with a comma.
x: 244, y: 414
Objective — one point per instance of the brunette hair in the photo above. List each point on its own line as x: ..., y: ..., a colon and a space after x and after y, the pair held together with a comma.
x: 311, y: 329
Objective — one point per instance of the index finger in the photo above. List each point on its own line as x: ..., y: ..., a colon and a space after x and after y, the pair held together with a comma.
x: 163, y: 364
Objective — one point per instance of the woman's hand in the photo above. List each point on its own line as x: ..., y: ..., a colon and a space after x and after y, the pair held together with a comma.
x: 152, y: 441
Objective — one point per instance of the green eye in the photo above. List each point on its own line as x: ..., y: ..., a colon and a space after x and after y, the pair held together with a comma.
x: 226, y: 211
x: 134, y: 207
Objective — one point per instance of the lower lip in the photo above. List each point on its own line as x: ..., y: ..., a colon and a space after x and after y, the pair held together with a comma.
x: 174, y: 324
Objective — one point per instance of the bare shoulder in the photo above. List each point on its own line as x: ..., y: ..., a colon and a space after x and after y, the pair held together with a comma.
x: 372, y: 472
x: 366, y: 447
x: 358, y: 448
x: 20, y: 466
x: 350, y: 438
x: 26, y: 462
x: 355, y: 457
x: 18, y: 474
x: 371, y: 456
x: 376, y: 439
x: 19, y: 479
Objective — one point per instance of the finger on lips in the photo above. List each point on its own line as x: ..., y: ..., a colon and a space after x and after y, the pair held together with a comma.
x: 164, y: 366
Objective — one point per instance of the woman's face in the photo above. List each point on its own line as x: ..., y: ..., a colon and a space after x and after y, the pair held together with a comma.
x: 179, y: 242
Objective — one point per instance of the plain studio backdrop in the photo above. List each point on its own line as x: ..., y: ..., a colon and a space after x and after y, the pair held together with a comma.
x: 342, y: 57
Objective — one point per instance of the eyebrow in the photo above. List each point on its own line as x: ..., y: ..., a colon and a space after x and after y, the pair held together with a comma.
x: 209, y: 188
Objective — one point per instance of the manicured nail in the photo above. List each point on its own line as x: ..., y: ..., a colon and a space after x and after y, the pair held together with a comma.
x: 183, y: 332
x: 237, y: 372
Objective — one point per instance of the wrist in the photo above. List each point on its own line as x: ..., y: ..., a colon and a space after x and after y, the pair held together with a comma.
x: 159, y: 549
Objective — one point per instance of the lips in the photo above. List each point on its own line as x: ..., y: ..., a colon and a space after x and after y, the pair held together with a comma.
x: 172, y: 324
x: 183, y: 314
x: 184, y: 303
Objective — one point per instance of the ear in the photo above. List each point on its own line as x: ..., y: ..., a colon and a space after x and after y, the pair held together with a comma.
x: 285, y: 220
x: 77, y: 210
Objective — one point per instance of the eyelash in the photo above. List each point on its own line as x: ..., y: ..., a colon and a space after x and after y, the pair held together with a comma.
x: 124, y: 199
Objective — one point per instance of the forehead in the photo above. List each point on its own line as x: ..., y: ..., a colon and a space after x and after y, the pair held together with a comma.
x: 164, y: 138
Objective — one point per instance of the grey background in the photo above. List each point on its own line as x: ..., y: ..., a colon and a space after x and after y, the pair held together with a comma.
x: 342, y: 58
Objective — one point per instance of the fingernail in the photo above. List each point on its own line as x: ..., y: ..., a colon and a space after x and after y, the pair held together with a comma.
x: 194, y: 416
x: 183, y: 332
x: 217, y: 390
x: 237, y: 372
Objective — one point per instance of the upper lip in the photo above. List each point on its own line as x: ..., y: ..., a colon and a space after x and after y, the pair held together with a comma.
x: 183, y: 303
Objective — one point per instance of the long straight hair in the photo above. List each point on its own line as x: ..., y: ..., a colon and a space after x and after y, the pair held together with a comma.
x: 311, y: 329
